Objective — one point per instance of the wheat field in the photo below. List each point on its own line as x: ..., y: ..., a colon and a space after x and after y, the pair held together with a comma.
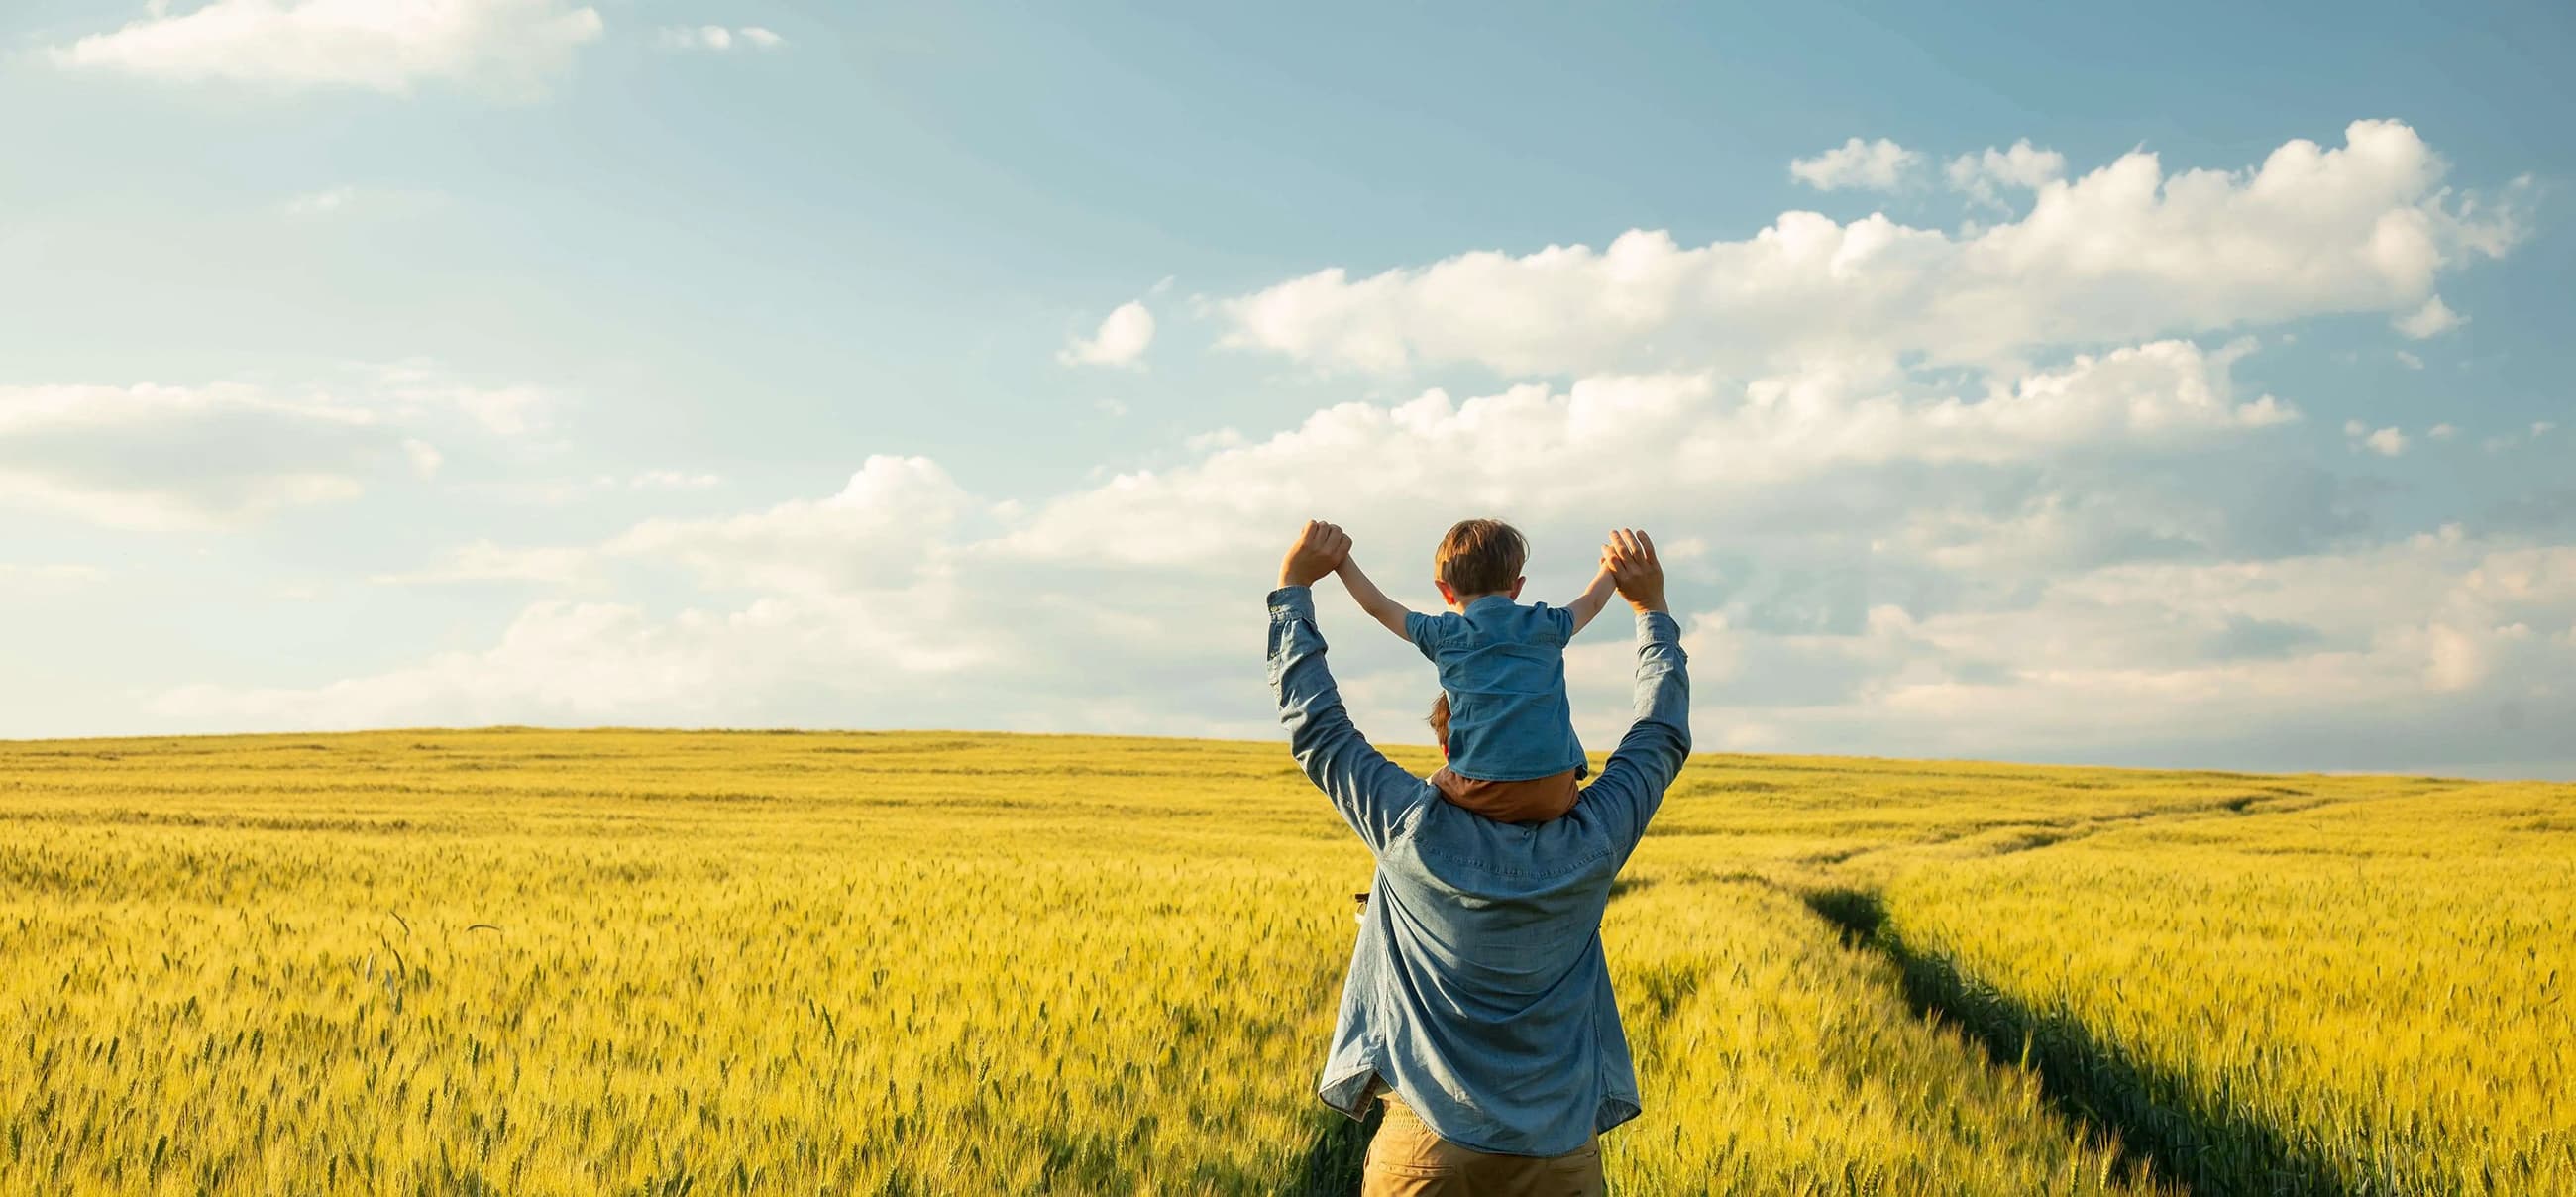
x: 514, y: 961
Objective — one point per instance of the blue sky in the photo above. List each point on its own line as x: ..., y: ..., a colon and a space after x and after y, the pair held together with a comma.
x: 745, y: 364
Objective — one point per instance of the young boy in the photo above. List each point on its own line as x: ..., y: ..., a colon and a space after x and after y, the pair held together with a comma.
x: 1509, y: 738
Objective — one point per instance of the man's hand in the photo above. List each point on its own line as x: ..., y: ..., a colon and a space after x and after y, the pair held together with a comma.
x: 1630, y: 558
x: 1319, y: 550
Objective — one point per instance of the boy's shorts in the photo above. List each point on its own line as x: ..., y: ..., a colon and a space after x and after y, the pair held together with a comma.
x: 1536, y: 800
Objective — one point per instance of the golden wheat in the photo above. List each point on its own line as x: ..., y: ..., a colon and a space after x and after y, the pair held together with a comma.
x: 548, y: 962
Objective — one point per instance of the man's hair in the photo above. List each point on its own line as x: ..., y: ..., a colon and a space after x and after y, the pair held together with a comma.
x: 1480, y: 556
x: 1439, y: 721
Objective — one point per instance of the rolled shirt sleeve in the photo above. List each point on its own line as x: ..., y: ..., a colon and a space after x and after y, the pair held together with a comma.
x: 1631, y: 787
x: 1372, y: 793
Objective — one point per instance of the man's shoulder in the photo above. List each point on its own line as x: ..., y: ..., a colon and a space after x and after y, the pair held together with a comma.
x: 1560, y: 849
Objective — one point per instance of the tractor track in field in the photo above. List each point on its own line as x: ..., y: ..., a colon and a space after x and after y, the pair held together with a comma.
x: 2162, y: 1130
x: 2087, y: 1077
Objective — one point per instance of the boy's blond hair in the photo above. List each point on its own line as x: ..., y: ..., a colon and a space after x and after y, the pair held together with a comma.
x: 1480, y: 557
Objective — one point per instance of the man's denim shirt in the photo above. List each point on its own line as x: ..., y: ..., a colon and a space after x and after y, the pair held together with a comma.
x: 1478, y: 991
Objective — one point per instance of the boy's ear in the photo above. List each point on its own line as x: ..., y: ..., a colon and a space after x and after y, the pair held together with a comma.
x: 1447, y: 595
x: 1517, y: 583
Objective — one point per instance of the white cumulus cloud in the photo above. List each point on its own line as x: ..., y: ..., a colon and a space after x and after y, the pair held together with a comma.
x: 1880, y: 165
x: 1685, y: 438
x: 2386, y: 442
x: 1121, y: 340
x: 905, y: 599
x: 2124, y: 253
x: 869, y: 534
x: 1984, y: 176
x: 1922, y: 492
x: 2431, y: 320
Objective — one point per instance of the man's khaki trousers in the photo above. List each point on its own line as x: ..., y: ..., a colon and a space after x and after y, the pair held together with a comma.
x: 1407, y: 1159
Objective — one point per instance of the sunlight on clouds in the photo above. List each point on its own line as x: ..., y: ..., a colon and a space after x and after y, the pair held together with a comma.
x: 904, y: 600
x: 1595, y: 447
x: 380, y: 45
x: 881, y: 528
x: 1111, y: 585
x: 2389, y: 639
x: 1991, y: 493
x: 2127, y: 252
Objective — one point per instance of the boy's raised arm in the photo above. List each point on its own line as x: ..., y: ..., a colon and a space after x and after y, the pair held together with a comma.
x: 1371, y: 599
x: 1595, y: 596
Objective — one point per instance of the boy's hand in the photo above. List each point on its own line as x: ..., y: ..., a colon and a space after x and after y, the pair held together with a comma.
x: 1596, y: 594
x: 1630, y: 557
x: 1319, y: 550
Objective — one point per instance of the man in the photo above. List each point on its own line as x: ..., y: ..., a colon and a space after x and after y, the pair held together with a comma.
x: 1478, y: 1005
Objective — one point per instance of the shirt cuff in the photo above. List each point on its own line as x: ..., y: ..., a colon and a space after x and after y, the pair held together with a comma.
x: 1658, y: 627
x: 1292, y: 602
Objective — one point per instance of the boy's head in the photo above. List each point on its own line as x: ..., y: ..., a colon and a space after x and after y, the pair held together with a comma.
x: 1477, y: 558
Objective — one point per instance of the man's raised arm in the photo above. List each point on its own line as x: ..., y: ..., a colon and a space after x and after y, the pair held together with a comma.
x: 1370, y: 791
x: 1631, y: 787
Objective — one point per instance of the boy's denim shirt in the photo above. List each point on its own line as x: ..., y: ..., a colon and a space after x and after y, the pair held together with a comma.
x: 1503, y: 665
x: 1478, y: 992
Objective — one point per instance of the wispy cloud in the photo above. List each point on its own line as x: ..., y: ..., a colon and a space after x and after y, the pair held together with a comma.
x: 379, y: 45
x: 226, y: 454
x: 719, y: 38
x: 555, y: 492
x: 18, y: 576
x: 321, y: 203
